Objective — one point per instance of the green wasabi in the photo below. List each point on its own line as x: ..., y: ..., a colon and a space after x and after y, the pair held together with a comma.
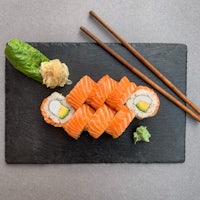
x: 141, y: 134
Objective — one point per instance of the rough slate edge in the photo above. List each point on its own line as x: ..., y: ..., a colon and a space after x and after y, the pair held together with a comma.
x: 181, y: 160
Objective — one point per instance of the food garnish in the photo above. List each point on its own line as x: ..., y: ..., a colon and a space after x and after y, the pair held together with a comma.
x: 34, y: 64
x: 54, y: 73
x: 141, y: 134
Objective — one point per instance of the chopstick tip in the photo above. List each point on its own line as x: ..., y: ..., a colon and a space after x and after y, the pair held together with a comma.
x: 81, y: 27
x: 84, y: 29
x: 92, y: 12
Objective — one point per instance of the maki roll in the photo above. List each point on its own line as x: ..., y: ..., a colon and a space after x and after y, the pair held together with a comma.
x: 120, y: 93
x: 100, y: 121
x: 55, y: 110
x: 78, y: 121
x: 120, y: 122
x: 101, y: 91
x: 80, y: 92
x: 144, y: 102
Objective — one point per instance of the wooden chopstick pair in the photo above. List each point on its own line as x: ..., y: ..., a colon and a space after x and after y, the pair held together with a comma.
x: 148, y: 65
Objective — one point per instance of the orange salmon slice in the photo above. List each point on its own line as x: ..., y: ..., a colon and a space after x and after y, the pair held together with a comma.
x: 80, y: 92
x: 101, y: 91
x: 120, y: 122
x: 78, y: 121
x: 100, y: 120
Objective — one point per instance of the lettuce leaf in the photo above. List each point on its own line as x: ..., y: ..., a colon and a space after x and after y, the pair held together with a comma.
x: 25, y: 58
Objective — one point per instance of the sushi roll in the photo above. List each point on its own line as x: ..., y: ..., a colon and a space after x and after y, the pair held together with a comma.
x: 144, y: 102
x: 100, y: 121
x: 80, y: 92
x: 120, y: 93
x: 120, y: 122
x: 55, y: 110
x: 101, y: 91
x: 78, y: 121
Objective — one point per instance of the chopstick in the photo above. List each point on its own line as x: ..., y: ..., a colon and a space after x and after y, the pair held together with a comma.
x: 140, y: 74
x: 146, y: 63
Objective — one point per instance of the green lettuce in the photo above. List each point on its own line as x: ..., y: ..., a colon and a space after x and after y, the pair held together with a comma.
x: 25, y: 58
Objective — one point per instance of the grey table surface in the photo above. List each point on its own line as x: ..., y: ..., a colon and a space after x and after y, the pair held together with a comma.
x: 145, y: 21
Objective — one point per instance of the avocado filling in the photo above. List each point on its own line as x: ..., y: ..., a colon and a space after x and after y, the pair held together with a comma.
x: 143, y: 106
x: 142, y: 102
x: 58, y: 109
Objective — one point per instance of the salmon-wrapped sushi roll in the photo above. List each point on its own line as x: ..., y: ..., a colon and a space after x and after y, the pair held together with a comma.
x: 100, y: 121
x: 80, y: 92
x: 101, y: 91
x: 55, y: 110
x: 121, y: 93
x: 144, y: 102
x: 120, y: 122
x: 78, y: 121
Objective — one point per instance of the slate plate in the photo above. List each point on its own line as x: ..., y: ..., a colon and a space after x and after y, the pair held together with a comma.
x: 30, y: 140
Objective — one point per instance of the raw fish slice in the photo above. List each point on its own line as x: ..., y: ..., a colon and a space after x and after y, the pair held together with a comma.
x: 127, y: 93
x: 78, y: 121
x: 120, y: 122
x: 101, y: 91
x: 100, y: 120
x: 80, y: 92
x: 121, y: 93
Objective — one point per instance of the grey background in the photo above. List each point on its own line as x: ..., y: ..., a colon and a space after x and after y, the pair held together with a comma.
x: 172, y: 21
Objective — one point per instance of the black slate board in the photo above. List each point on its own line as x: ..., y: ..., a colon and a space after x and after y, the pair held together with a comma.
x: 30, y: 140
